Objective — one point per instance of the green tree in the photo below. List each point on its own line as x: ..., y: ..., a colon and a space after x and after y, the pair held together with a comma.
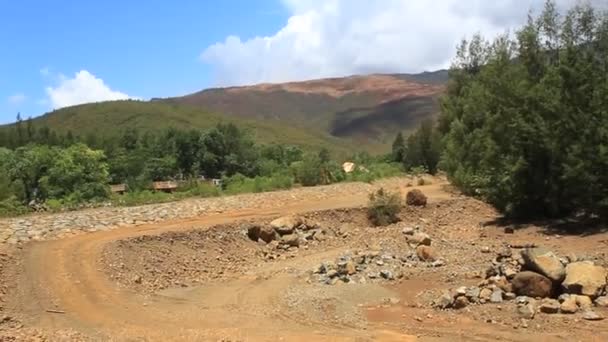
x: 424, y: 148
x: 77, y: 172
x: 525, y: 118
x: 399, y: 150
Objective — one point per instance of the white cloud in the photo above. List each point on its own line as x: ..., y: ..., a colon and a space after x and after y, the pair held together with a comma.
x: 17, y: 99
x: 45, y: 71
x: 324, y: 38
x: 83, y: 88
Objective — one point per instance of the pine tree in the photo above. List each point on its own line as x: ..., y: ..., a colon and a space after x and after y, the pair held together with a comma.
x: 399, y: 150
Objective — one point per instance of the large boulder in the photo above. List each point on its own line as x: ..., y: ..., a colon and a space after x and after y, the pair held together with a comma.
x: 267, y: 234
x: 532, y: 284
x: 261, y: 233
x: 286, y: 225
x: 416, y: 198
x: 585, y: 278
x: 291, y: 240
x: 544, y: 262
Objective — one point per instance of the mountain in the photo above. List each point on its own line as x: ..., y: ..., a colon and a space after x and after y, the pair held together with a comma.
x: 363, y: 108
x: 345, y: 114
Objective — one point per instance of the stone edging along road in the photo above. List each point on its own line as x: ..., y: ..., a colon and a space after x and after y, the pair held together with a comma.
x: 39, y: 227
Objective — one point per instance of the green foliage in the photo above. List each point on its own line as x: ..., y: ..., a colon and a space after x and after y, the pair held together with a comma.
x: 78, y: 173
x: 12, y: 206
x: 423, y: 148
x: 384, y: 207
x: 526, y: 118
x: 198, y: 188
x: 399, y: 150
x: 308, y: 172
x: 104, y: 121
x: 375, y: 171
x: 239, y: 184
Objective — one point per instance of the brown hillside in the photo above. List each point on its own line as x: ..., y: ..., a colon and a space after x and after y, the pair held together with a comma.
x: 372, y: 107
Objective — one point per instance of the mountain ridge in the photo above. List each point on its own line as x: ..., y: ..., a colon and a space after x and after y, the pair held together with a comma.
x: 364, y: 111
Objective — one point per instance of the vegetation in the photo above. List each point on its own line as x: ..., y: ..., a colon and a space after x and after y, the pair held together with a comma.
x: 58, y: 171
x: 525, y: 117
x: 107, y: 120
x: 384, y: 207
x: 422, y: 149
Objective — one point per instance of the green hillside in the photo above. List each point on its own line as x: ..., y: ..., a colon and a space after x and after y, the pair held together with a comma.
x: 110, y: 118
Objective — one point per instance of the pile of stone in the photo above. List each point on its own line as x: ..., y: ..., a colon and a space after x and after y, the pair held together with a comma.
x: 360, y: 267
x: 378, y: 266
x: 421, y: 242
x: 539, y: 281
x: 286, y: 232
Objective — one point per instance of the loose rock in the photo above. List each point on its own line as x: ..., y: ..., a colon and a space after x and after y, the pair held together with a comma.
x: 549, y: 306
x: 544, y: 262
x: 532, y: 284
x: 286, y: 224
x: 592, y: 316
x: 602, y: 302
x: 418, y: 239
x: 416, y: 198
x: 460, y: 303
x: 426, y: 253
x: 585, y: 278
x: 569, y: 306
x: 526, y: 311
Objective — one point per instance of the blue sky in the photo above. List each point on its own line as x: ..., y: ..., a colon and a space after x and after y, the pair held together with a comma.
x: 142, y: 48
x: 58, y: 53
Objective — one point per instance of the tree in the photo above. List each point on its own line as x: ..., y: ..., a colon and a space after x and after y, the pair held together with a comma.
x: 20, y: 132
x: 423, y: 148
x: 78, y: 173
x: 26, y: 167
x: 399, y: 151
x: 526, y: 128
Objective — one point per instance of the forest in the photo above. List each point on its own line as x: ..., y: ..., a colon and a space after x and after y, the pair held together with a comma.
x: 40, y: 168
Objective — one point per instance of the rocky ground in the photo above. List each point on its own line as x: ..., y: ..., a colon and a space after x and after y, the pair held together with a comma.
x: 493, y: 273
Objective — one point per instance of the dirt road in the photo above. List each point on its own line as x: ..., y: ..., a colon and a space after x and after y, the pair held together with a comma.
x: 65, y: 276
x: 63, y: 289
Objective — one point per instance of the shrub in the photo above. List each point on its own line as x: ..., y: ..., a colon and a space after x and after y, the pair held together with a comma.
x: 12, y: 207
x: 383, y: 207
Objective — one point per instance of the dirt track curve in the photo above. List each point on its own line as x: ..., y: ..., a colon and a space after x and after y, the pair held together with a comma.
x: 66, y: 275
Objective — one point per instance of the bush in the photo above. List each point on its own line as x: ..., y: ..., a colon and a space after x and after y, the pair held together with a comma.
x: 12, y: 207
x: 204, y: 190
x: 376, y: 171
x: 239, y: 184
x: 383, y: 207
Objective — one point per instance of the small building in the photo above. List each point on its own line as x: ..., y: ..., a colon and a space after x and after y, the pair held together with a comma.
x: 165, y: 186
x: 118, y: 188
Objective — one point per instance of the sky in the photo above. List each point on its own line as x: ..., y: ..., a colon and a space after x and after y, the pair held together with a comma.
x: 66, y: 52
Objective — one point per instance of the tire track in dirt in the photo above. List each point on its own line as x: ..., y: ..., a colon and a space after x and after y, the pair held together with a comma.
x: 67, y: 275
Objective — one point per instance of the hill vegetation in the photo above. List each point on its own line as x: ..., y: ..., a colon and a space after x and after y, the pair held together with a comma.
x: 111, y: 119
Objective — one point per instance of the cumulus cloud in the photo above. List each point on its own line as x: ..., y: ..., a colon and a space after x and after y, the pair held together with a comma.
x: 17, y: 99
x: 84, y: 87
x: 324, y: 38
